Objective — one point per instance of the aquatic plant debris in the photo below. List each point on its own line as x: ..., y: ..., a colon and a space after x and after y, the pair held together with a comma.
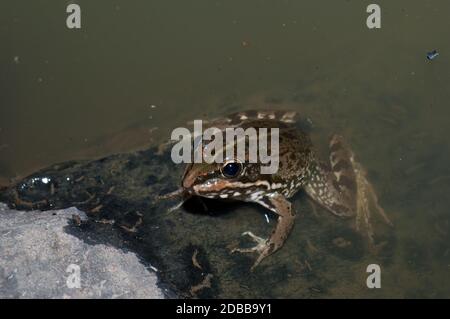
x: 432, y: 55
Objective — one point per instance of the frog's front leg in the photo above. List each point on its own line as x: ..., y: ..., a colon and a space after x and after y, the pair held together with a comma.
x: 265, y: 247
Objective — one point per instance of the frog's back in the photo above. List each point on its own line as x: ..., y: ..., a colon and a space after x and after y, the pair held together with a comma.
x: 295, y: 149
x: 294, y: 143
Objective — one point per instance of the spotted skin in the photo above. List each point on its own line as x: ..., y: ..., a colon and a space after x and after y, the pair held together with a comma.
x: 334, y: 185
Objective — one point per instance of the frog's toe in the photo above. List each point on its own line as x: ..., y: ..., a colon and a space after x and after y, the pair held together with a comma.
x: 263, y: 253
x: 367, y: 198
x: 260, y: 244
x: 175, y: 207
x: 262, y: 248
x: 178, y: 193
x: 257, y: 239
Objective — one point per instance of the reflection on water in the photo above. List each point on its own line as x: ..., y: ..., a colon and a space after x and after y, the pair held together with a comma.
x: 72, y: 94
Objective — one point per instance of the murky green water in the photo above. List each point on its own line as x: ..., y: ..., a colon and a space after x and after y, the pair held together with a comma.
x: 68, y: 94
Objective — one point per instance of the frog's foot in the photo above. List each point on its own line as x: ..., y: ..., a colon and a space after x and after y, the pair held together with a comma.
x: 265, y: 247
x: 351, y: 178
x: 179, y: 193
x: 262, y: 247
x: 261, y: 242
x: 366, y: 196
x: 175, y: 207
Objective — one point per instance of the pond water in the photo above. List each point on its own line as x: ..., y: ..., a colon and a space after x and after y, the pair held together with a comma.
x: 135, y: 71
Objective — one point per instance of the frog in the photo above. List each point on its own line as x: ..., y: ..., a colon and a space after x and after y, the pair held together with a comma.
x: 340, y: 184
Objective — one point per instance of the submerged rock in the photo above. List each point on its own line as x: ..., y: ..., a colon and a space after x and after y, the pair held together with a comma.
x: 189, y: 246
x: 40, y: 258
x: 119, y: 193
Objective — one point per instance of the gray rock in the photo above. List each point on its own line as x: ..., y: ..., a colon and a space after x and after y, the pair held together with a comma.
x: 38, y: 259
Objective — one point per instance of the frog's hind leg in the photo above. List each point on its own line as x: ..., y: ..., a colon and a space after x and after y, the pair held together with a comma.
x: 333, y: 184
x: 365, y: 195
x: 343, y: 188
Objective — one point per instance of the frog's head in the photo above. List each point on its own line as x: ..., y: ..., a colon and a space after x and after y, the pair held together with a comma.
x: 228, y: 170
x: 230, y: 179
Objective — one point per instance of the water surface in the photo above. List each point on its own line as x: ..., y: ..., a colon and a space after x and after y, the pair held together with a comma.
x: 137, y: 70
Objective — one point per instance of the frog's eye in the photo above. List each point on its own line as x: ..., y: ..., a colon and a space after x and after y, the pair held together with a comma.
x: 232, y: 169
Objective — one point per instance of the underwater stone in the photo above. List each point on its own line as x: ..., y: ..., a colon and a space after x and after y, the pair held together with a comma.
x: 36, y: 251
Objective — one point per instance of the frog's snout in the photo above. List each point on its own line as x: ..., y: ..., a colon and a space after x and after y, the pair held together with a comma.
x: 189, y: 180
